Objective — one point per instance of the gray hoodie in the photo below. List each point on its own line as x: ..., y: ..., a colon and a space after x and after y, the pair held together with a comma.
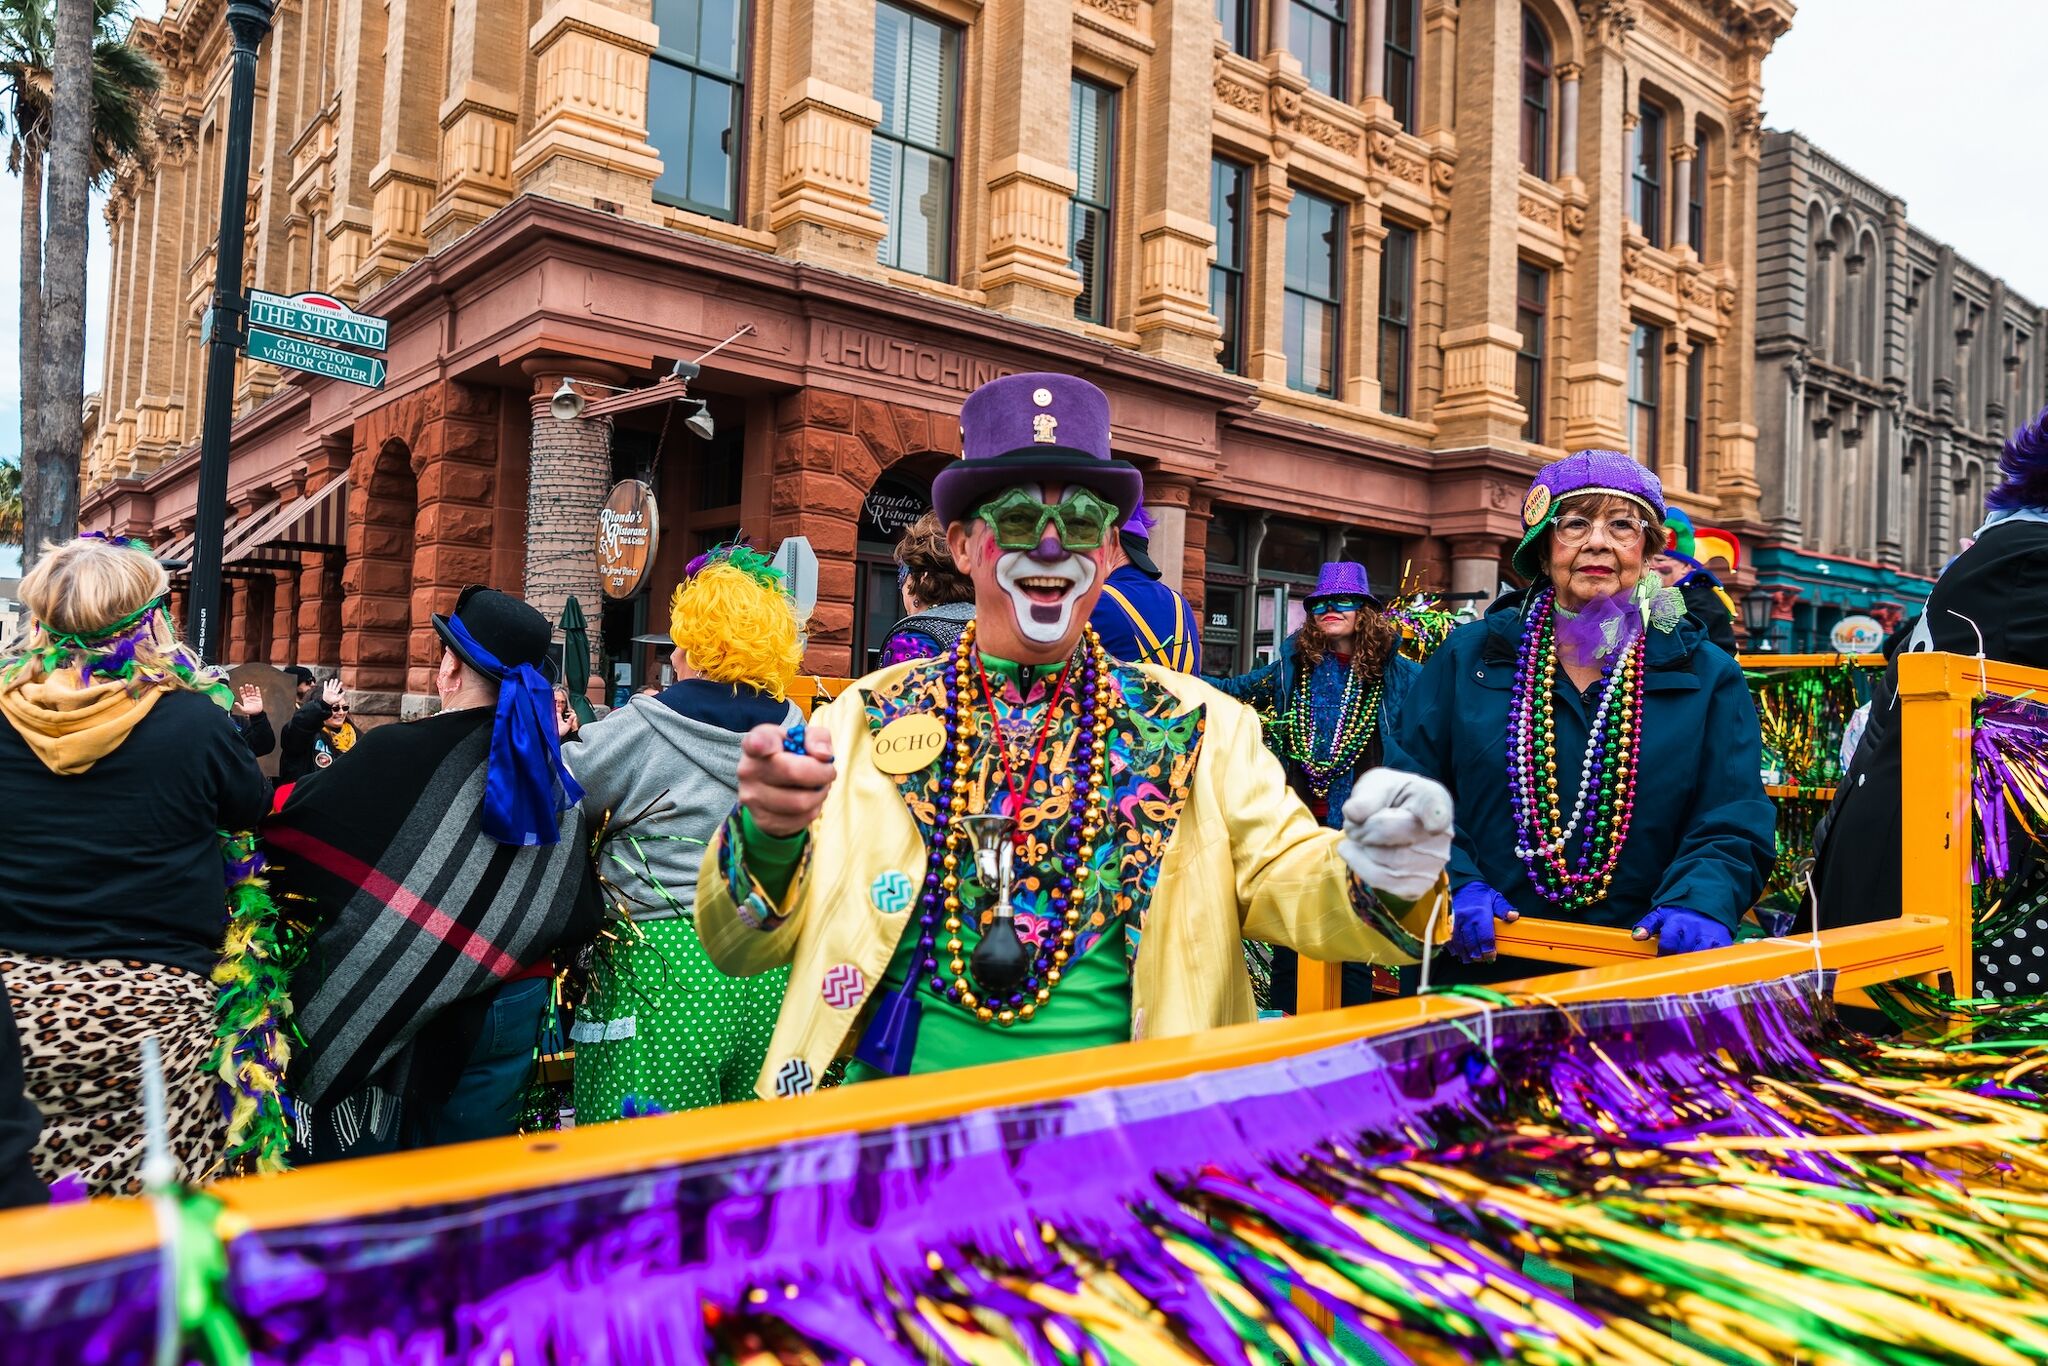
x: 683, y: 773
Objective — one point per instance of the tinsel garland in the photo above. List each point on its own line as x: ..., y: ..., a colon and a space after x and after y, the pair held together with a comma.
x: 1802, y: 714
x: 1723, y: 1176
x: 252, y: 1040
x: 1423, y: 621
x: 2008, y: 782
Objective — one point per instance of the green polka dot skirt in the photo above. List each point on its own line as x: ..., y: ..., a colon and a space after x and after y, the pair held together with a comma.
x: 667, y: 1028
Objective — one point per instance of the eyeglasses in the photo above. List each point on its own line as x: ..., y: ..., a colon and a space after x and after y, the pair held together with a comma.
x: 1621, y: 531
x: 1324, y: 606
x: 1018, y: 520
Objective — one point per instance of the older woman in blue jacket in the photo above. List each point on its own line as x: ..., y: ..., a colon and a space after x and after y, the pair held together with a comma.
x: 1602, y: 753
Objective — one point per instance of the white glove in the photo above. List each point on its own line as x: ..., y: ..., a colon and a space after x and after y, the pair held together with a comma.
x: 1397, y: 832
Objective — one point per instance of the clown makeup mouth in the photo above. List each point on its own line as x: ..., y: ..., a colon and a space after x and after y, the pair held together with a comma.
x: 1042, y: 594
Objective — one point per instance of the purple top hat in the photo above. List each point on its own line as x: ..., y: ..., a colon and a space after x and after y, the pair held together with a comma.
x: 1343, y: 578
x: 1027, y: 429
x: 1604, y: 473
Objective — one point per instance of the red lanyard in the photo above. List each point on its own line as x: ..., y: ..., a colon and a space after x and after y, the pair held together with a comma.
x: 1010, y: 783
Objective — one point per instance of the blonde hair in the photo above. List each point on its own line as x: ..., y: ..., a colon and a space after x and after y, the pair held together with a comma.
x: 100, y: 601
x: 733, y: 628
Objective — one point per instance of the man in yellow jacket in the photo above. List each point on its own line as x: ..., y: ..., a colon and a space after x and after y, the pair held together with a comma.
x: 1023, y: 847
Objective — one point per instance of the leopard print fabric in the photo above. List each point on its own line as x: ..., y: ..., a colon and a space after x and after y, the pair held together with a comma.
x: 82, y: 1025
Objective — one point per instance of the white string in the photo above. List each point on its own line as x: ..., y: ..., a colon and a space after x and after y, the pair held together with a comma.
x: 1813, y: 900
x: 1429, y: 944
x: 159, y: 1182
x: 1983, y: 680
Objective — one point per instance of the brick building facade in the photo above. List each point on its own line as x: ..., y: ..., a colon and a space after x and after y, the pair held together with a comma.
x: 1349, y: 271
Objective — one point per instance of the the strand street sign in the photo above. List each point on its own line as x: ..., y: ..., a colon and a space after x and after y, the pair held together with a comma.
x: 319, y: 316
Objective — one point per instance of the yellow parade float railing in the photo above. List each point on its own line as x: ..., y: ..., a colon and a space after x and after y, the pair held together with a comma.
x: 1930, y: 942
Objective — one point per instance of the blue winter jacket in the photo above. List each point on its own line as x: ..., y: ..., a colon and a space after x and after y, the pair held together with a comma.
x: 1270, y: 689
x: 1703, y: 836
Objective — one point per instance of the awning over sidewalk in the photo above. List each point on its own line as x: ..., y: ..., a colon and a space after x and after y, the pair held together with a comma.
x: 271, y: 539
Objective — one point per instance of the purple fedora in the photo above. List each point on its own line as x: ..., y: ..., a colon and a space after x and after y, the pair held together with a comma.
x: 1342, y: 579
x: 1026, y: 429
x: 1605, y: 473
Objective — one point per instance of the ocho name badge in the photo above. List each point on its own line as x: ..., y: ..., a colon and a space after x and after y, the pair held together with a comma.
x: 909, y: 743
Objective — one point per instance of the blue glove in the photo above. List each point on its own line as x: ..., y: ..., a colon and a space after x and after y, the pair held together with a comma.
x: 1679, y: 930
x: 1474, y: 908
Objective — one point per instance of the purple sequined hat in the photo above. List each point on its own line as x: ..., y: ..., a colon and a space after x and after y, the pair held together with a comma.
x: 1596, y: 472
x: 1023, y: 429
x: 1343, y: 578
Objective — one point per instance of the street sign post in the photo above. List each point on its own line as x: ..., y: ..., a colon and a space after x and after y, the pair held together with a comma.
x: 319, y: 316
x: 315, y: 358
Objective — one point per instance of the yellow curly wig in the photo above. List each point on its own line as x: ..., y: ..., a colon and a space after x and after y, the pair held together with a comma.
x: 732, y: 628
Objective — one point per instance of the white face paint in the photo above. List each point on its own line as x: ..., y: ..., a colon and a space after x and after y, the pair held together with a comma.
x: 1043, y: 595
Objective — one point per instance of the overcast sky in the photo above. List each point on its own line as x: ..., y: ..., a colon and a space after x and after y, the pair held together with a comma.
x: 1943, y: 105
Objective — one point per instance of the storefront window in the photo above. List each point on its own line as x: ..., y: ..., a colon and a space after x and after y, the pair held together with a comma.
x: 890, y: 506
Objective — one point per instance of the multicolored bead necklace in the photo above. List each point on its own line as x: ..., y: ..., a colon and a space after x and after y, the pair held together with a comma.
x: 1607, y: 772
x: 1355, y: 726
x: 939, y: 903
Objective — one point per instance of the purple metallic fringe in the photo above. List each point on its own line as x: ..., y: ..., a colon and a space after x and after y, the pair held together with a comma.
x: 832, y: 1234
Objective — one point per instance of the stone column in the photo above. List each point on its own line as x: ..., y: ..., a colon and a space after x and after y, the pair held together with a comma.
x: 1276, y: 29
x: 1030, y: 182
x: 1172, y: 316
x: 1475, y: 565
x: 1376, y: 49
x: 1194, y: 562
x: 478, y: 116
x: 1671, y: 468
x: 1479, y: 338
x: 1167, y: 498
x: 570, y: 471
x: 1681, y: 195
x: 1568, y: 121
x: 589, y: 136
x: 821, y: 211
x: 1735, y: 471
x: 1266, y: 310
x: 1597, y: 380
x: 402, y: 182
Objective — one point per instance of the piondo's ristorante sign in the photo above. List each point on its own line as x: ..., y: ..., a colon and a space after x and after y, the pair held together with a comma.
x: 628, y: 533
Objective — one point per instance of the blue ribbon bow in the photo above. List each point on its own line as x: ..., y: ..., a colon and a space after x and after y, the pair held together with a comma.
x: 526, y: 788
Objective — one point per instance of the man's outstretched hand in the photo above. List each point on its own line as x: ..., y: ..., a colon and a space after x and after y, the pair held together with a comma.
x: 784, y: 792
x: 1397, y: 832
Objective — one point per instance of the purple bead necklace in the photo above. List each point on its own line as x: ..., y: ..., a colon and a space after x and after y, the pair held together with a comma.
x: 1607, y: 771
x: 939, y: 903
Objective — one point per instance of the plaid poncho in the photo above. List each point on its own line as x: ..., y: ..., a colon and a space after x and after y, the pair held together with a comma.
x: 418, y: 913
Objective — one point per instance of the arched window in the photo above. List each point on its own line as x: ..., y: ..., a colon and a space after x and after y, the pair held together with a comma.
x: 1817, y: 249
x: 1536, y: 73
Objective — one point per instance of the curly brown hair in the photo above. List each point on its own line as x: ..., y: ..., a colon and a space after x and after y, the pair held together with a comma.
x: 930, y: 575
x: 1371, y: 648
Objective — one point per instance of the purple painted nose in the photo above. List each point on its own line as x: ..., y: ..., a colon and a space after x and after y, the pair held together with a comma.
x: 1049, y: 551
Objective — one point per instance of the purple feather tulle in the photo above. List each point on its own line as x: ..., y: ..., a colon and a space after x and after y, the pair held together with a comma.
x: 1607, y: 626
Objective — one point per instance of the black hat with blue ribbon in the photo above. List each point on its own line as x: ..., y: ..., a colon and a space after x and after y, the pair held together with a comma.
x: 526, y: 788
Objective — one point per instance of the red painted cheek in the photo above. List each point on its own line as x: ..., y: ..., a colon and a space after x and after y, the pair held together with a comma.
x: 990, y: 552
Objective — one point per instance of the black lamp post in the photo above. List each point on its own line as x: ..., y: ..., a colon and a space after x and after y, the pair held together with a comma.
x: 248, y: 21
x: 1756, y: 618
